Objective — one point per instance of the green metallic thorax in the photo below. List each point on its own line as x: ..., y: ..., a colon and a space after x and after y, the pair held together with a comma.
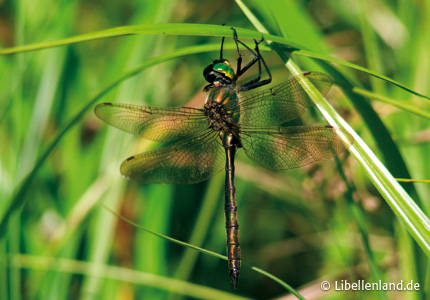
x: 222, y: 109
x: 223, y: 113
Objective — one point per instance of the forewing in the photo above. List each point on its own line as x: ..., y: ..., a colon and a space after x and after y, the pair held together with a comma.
x: 189, y: 161
x: 283, y: 102
x: 153, y: 123
x: 286, y: 148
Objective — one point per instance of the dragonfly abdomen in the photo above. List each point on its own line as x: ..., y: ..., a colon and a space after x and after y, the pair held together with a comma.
x: 230, y: 211
x: 233, y: 245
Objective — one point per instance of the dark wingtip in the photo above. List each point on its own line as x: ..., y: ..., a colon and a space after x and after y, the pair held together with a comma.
x: 104, y: 104
x: 130, y: 158
x: 100, y: 105
x: 234, y: 278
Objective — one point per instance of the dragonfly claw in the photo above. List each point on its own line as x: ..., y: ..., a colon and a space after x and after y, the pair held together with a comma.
x: 260, y: 41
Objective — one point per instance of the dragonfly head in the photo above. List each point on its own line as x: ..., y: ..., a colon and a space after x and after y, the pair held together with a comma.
x: 219, y: 73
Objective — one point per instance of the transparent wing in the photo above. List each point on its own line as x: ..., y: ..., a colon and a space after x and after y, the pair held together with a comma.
x: 281, y: 103
x: 188, y: 161
x: 283, y: 148
x: 153, y: 123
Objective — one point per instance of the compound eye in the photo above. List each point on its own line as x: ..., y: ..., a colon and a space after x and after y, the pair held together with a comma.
x: 208, y: 74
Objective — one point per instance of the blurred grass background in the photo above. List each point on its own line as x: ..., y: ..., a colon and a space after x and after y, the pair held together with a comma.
x: 304, y: 226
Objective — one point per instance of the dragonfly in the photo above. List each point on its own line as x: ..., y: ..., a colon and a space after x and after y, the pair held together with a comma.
x: 205, y: 141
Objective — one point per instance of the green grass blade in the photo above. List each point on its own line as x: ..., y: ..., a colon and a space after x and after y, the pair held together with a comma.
x: 407, y: 257
x: 19, y: 197
x: 382, y: 136
x: 201, y: 226
x: 416, y: 222
x: 164, y: 29
x: 357, y: 212
x: 118, y: 274
x: 178, y: 242
x: 359, y: 68
x: 202, y: 30
x: 404, y: 107
x: 370, y: 43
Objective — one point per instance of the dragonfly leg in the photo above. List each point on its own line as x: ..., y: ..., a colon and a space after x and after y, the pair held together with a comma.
x: 240, y: 71
x: 222, y: 47
x: 257, y: 82
x: 239, y: 56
